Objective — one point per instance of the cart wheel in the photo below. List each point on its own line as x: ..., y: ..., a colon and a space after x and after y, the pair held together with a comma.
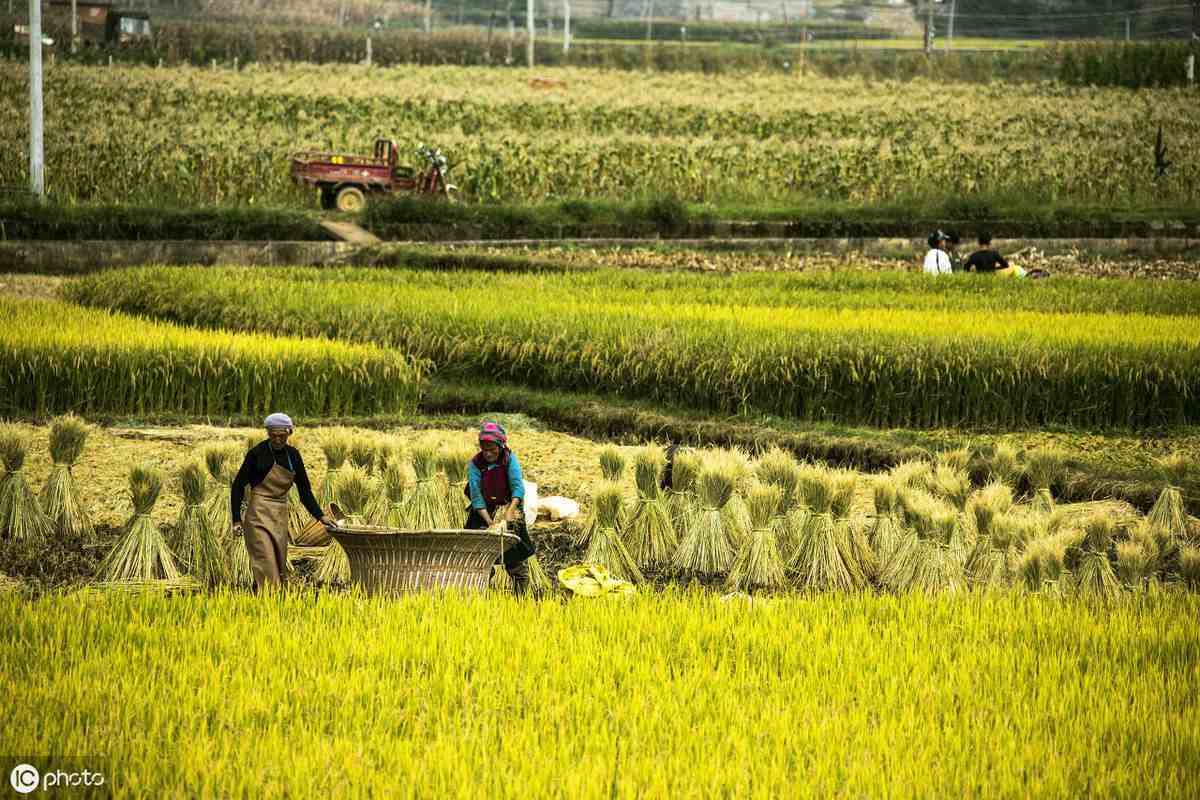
x: 328, y: 199
x: 351, y: 198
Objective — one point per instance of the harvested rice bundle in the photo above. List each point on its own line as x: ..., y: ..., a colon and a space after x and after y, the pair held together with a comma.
x: 612, y: 463
x: 986, y: 505
x: 911, y: 473
x: 1168, y: 515
x: 198, y: 545
x: 957, y: 460
x: 539, y: 581
x: 605, y: 546
x: 825, y: 559
x: 1189, y: 566
x: 1137, y: 561
x: 950, y: 484
x: 388, y: 507
x: 737, y: 519
x: 425, y: 502
x: 1075, y: 515
x: 222, y: 462
x: 704, y: 548
x: 1005, y: 465
x: 21, y: 515
x: 776, y: 467
x: 362, y: 451
x: 681, y: 497
x: 1095, y: 578
x: 453, y: 463
x: 1043, y: 564
x: 758, y: 564
x: 845, y: 485
x: 60, y: 497
x: 352, y: 492
x: 1046, y: 468
x: 501, y: 582
x: 389, y: 448
x: 648, y: 529
x: 141, y: 554
x: 335, y: 445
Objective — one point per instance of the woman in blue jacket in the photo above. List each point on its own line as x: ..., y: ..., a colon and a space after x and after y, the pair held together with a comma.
x: 497, y: 491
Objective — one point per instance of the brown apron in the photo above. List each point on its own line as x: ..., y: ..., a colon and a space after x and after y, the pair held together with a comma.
x: 265, y: 527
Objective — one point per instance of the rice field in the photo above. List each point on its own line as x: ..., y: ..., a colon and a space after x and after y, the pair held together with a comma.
x: 679, y: 695
x: 191, y: 136
x: 57, y: 357
x: 860, y: 348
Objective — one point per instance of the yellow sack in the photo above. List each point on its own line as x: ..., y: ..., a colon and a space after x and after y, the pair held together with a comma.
x: 593, y: 580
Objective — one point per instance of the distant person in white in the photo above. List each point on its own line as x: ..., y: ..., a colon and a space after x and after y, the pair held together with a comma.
x: 937, y: 260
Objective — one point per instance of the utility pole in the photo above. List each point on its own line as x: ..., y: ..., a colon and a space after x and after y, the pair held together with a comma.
x: 532, y: 34
x: 928, y: 27
x: 74, y: 27
x: 37, y: 159
x: 950, y: 29
x: 566, y: 25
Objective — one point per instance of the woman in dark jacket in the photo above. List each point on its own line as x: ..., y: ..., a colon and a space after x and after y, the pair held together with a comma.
x: 497, y: 491
x: 270, y: 469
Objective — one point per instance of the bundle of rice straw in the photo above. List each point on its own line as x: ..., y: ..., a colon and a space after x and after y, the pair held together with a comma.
x: 389, y: 448
x: 1094, y: 574
x: 362, y: 451
x: 1046, y: 468
x: 648, y: 529
x: 198, y: 545
x: 223, y: 462
x: 501, y: 581
x: 1137, y: 560
x: 1074, y: 515
x: 141, y: 554
x: 1189, y: 566
x: 1168, y: 516
x: 388, y: 508
x: 736, y: 515
x: 957, y: 460
x: 705, y: 548
x: 21, y: 515
x: 335, y: 444
x: 453, y: 463
x: 932, y: 553
x: 540, y: 581
x: 825, y: 559
x: 60, y: 497
x: 911, y: 473
x: 681, y: 497
x: 425, y: 503
x: 777, y: 468
x: 950, y: 484
x: 758, y: 564
x: 886, y: 531
x: 352, y: 492
x: 1005, y: 465
x: 612, y: 463
x: 1043, y: 563
x: 605, y: 546
x: 986, y: 505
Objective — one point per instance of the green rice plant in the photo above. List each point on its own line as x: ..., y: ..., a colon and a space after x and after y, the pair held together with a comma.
x: 195, y: 540
x: 1004, y: 464
x: 424, y: 505
x: 222, y: 462
x: 648, y: 527
x: 705, y: 548
x: 141, y: 553
x: 777, y: 467
x: 21, y: 515
x: 758, y: 564
x: 352, y: 491
x: 60, y: 497
x: 612, y: 463
x: 58, y: 357
x: 605, y: 543
x: 335, y: 445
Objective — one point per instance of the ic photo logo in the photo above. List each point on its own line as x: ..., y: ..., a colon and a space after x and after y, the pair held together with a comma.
x: 24, y: 778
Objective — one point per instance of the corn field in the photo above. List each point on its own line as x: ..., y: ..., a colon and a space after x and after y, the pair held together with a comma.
x: 191, y: 136
x: 675, y: 696
x: 925, y: 354
x: 58, y: 358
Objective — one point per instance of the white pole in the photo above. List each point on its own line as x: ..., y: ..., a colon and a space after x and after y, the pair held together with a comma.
x: 532, y: 34
x: 37, y: 161
x: 74, y: 25
x: 566, y: 25
x: 369, y: 54
x: 950, y: 32
x: 1191, y: 70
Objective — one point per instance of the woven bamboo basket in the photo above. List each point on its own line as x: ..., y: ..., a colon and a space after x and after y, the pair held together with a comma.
x: 394, y: 562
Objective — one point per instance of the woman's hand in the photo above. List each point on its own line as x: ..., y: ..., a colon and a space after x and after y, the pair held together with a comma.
x: 510, y: 513
x: 487, y: 518
x: 328, y: 522
x: 236, y: 529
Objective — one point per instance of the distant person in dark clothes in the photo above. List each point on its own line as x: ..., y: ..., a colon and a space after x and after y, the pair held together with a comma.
x: 985, y: 259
